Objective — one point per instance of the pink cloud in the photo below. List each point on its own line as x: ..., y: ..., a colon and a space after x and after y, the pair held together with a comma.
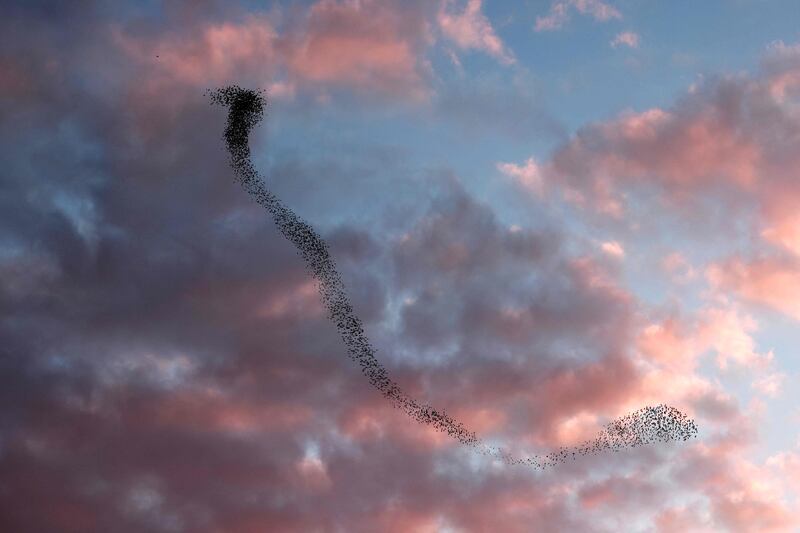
x: 671, y: 349
x: 724, y: 331
x: 770, y: 385
x: 773, y: 282
x: 787, y: 465
x: 382, y: 422
x: 669, y: 343
x: 682, y: 520
x: 371, y: 47
x: 527, y: 175
x: 214, y: 55
x: 727, y: 331
x: 742, y: 496
x: 604, y: 386
x: 620, y: 491
x: 677, y: 151
x: 717, y: 144
x: 214, y: 411
x: 559, y: 13
x: 538, y: 349
x: 470, y: 29
x: 613, y: 248
x: 747, y: 511
x: 302, y: 300
x: 678, y: 268
x: 626, y: 38
x: 782, y: 226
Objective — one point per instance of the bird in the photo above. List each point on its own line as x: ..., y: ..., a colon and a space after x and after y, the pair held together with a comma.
x: 246, y: 109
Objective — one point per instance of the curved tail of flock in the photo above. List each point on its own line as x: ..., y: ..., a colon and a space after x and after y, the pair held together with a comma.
x: 246, y: 109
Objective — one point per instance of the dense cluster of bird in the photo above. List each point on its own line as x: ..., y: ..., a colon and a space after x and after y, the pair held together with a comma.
x: 246, y: 109
x: 647, y: 425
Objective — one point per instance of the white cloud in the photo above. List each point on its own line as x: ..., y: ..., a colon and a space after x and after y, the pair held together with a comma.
x: 529, y: 175
x: 613, y: 248
x: 470, y: 29
x: 626, y: 38
x: 770, y: 385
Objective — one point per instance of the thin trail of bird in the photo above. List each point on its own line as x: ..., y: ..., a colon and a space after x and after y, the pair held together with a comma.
x: 246, y: 108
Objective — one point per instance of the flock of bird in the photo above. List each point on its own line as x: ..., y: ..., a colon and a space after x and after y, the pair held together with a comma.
x: 246, y: 109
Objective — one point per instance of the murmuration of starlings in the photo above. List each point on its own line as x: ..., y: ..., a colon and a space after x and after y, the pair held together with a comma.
x: 246, y: 108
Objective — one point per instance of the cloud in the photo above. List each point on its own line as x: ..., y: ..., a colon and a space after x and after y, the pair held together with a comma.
x: 559, y: 13
x: 528, y: 175
x: 371, y: 47
x: 680, y: 150
x: 725, y: 330
x: 770, y: 281
x: 198, y: 341
x: 685, y: 518
x: 165, y: 367
x: 626, y: 38
x: 770, y: 385
x: 678, y: 268
x: 788, y: 462
x: 727, y: 147
x: 718, y: 141
x: 471, y: 29
x: 216, y: 53
x: 613, y: 248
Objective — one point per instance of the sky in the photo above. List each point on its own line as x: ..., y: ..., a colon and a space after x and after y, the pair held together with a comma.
x: 547, y: 214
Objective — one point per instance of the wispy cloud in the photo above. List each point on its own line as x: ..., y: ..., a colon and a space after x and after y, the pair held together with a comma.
x: 528, y: 175
x: 469, y: 29
x: 626, y: 38
x: 559, y: 13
